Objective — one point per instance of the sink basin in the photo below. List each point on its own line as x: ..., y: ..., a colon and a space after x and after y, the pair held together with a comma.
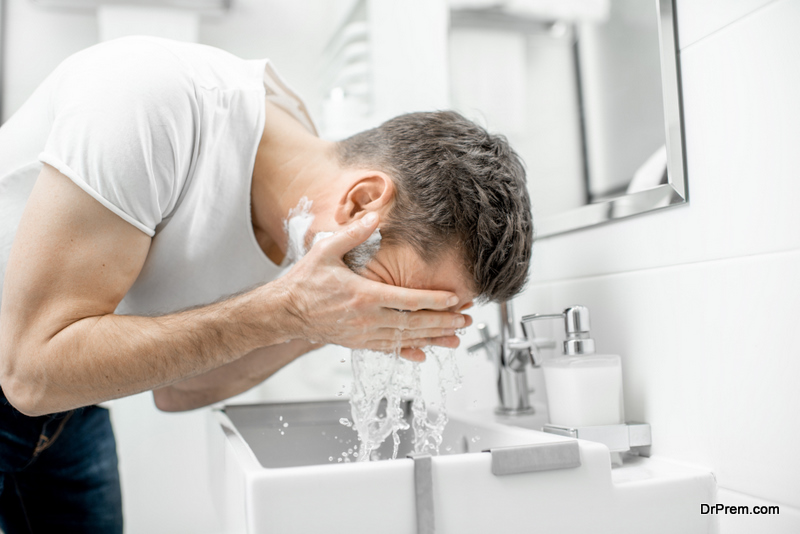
x: 283, y: 468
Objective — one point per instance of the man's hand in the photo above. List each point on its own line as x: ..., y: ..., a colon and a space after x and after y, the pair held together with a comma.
x: 331, y: 304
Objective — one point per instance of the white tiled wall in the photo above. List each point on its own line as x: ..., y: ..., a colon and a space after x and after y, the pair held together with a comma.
x: 703, y: 301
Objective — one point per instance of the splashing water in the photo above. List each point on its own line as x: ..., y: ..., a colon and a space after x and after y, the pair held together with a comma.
x: 378, y: 376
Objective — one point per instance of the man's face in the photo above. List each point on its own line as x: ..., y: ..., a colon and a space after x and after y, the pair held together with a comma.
x: 401, y: 266
x: 396, y: 265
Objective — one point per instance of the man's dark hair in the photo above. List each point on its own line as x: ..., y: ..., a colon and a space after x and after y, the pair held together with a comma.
x: 459, y: 188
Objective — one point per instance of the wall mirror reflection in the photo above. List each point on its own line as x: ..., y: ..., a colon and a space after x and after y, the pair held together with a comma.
x: 587, y: 92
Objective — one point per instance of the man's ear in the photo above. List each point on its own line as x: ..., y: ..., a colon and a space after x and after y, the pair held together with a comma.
x: 367, y: 191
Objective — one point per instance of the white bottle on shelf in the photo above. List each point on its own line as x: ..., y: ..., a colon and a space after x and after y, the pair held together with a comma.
x: 583, y: 388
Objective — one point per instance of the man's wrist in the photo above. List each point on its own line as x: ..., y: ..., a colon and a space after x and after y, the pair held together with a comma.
x: 276, y: 319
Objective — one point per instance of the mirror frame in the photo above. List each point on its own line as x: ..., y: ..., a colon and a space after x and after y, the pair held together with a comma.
x: 673, y: 193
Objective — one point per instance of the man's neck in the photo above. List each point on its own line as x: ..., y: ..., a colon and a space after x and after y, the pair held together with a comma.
x: 289, y: 163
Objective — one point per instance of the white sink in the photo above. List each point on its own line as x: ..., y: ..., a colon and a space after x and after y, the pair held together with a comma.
x: 273, y: 474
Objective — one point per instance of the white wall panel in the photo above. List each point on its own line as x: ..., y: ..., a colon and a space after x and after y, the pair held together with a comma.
x: 709, y: 359
x: 36, y: 41
x: 700, y: 18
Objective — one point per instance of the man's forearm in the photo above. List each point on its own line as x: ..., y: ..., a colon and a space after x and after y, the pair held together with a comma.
x: 109, y: 356
x: 230, y: 379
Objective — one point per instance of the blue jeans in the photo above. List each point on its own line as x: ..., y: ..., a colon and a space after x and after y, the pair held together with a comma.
x: 58, y: 473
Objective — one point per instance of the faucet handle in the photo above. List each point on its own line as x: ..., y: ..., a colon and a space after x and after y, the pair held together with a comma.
x: 576, y: 324
x: 487, y: 341
x: 536, y: 344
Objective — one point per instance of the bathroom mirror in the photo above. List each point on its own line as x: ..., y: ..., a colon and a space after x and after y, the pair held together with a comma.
x: 589, y: 95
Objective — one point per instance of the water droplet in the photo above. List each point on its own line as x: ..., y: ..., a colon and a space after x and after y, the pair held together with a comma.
x: 340, y: 459
x: 280, y: 418
x: 345, y: 421
x: 448, y: 448
x: 282, y: 432
x: 330, y: 458
x: 285, y: 425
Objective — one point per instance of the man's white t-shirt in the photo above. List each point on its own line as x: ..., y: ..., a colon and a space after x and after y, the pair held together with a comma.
x: 164, y: 134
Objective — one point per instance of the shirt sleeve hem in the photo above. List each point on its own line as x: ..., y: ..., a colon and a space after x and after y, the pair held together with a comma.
x: 64, y: 169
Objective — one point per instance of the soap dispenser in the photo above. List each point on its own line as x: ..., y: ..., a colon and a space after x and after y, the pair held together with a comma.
x: 583, y: 388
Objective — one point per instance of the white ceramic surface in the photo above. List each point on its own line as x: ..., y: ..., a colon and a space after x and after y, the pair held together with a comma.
x: 646, y: 495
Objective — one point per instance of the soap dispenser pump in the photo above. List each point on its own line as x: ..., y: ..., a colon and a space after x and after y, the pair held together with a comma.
x: 583, y: 388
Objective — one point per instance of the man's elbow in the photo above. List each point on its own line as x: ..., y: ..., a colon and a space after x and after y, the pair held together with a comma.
x: 23, y: 394
x: 22, y: 387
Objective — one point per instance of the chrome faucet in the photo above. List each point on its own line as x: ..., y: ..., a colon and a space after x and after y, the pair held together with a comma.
x: 511, y: 356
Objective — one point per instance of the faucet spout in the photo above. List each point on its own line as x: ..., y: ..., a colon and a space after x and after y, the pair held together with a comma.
x: 511, y: 356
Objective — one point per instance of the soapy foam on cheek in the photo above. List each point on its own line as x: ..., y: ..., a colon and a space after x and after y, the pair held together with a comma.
x: 299, y: 221
x: 357, y: 258
x: 296, y: 227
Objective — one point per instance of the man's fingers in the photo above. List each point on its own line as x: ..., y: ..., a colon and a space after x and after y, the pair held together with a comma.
x: 422, y: 320
x: 384, y: 345
x: 434, y: 319
x: 402, y: 298
x: 413, y: 354
x: 394, y: 334
x: 450, y: 342
x: 355, y: 233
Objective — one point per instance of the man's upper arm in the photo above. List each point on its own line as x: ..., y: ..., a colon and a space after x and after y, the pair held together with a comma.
x: 72, y: 258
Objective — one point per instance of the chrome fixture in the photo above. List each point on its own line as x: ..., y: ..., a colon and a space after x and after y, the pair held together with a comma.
x: 635, y: 438
x: 511, y: 355
x: 576, y: 325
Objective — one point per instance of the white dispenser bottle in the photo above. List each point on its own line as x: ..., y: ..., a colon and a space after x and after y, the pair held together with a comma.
x: 583, y: 388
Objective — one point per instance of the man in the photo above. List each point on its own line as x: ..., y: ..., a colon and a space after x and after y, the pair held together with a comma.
x: 148, y: 253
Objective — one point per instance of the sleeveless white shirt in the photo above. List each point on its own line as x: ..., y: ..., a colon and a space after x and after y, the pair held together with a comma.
x: 164, y: 134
